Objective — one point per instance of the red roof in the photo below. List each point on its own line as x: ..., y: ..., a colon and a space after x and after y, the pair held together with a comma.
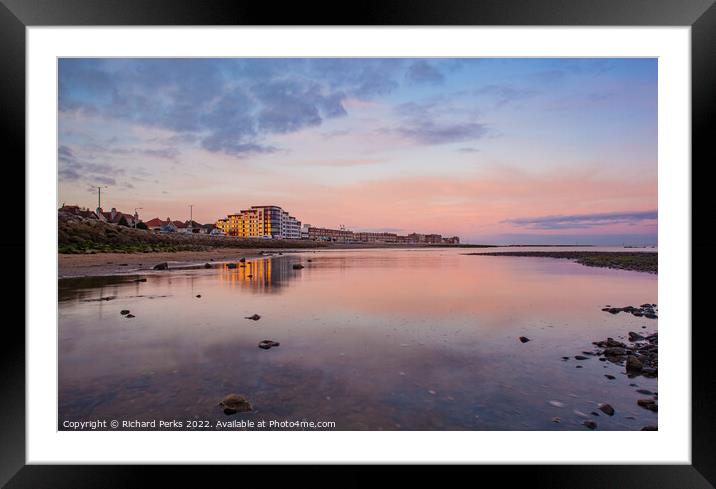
x: 179, y: 224
x: 155, y: 223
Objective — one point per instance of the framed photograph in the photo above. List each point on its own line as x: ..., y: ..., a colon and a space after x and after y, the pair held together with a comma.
x: 440, y: 235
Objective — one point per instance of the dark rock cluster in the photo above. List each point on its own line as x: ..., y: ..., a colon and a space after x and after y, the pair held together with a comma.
x: 645, y: 310
x: 641, y: 357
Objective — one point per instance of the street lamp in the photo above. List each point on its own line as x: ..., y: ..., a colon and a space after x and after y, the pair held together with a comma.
x: 99, y: 194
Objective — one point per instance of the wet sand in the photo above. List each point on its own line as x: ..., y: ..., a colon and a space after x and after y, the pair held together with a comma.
x: 100, y: 264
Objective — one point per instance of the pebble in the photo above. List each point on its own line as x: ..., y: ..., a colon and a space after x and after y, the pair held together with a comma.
x: 234, y: 403
x: 606, y: 409
x: 267, y: 344
x: 124, y: 312
x: 590, y: 424
x: 524, y: 339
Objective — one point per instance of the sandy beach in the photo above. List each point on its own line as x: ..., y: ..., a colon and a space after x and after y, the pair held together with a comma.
x: 99, y: 264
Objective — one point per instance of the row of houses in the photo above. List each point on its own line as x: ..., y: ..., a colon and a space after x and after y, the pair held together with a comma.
x: 113, y: 216
x: 347, y: 236
x: 132, y: 220
x: 259, y: 221
x: 188, y: 227
x: 272, y: 222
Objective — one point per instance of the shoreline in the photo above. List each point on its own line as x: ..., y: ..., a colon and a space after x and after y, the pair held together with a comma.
x: 112, y: 264
x: 103, y: 264
x: 637, y: 261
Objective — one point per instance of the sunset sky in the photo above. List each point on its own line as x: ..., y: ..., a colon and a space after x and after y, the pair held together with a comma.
x: 491, y: 150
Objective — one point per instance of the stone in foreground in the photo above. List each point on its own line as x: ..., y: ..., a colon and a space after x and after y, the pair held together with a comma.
x: 267, y: 344
x: 606, y: 409
x: 233, y: 403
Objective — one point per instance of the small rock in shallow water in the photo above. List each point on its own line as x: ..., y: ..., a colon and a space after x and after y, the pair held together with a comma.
x: 266, y: 344
x: 523, y: 339
x: 297, y: 266
x: 207, y: 265
x: 129, y: 316
x: 649, y: 404
x: 646, y: 392
x: 606, y: 409
x: 590, y: 424
x: 650, y: 428
x: 161, y: 266
x: 581, y: 357
x: 124, y: 312
x: 633, y: 364
x: 198, y: 296
x: 556, y: 419
x: 610, y: 377
x: 234, y: 403
x: 614, y: 351
x: 635, y: 336
x: 255, y: 317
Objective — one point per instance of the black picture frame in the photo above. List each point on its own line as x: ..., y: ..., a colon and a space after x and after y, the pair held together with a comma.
x: 16, y: 15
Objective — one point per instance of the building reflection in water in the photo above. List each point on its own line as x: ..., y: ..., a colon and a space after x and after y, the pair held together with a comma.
x: 261, y: 275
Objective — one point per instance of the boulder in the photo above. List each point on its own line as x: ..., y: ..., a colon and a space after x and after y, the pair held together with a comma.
x: 234, y: 403
x: 633, y: 364
x: 606, y: 409
x: 590, y: 424
x: 635, y: 336
x: 614, y: 351
x: 267, y: 344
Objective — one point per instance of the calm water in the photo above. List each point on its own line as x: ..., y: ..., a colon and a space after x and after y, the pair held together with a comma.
x: 370, y: 340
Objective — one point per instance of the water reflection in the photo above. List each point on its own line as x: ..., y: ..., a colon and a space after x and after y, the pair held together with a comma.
x: 261, y: 275
x: 374, y: 339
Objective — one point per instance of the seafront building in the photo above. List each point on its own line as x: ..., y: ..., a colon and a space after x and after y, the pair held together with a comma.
x: 272, y: 222
x: 261, y: 221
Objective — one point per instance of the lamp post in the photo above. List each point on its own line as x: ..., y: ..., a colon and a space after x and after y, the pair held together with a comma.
x: 191, y: 219
x: 99, y: 194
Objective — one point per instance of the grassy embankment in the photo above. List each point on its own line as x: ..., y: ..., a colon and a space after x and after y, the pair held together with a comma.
x: 638, y: 261
x: 77, y: 235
